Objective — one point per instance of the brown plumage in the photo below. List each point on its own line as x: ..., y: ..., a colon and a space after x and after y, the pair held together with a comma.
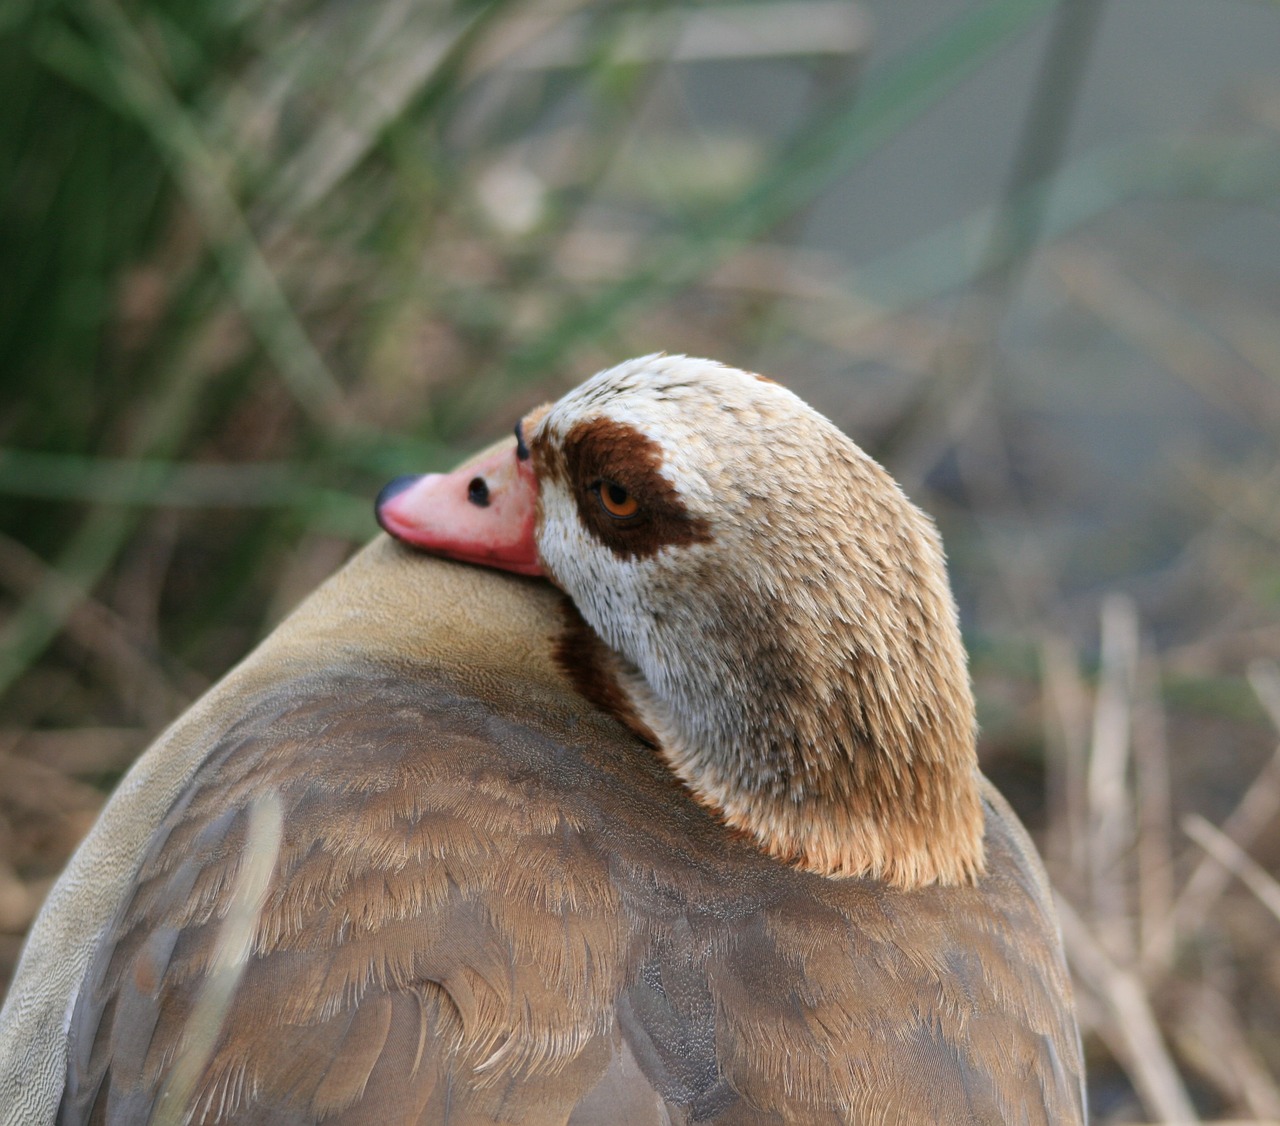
x: 495, y: 900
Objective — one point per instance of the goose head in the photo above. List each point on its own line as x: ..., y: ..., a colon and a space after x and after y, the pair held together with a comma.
x: 776, y: 612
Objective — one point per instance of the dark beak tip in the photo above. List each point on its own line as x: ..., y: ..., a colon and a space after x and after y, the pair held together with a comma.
x: 391, y: 489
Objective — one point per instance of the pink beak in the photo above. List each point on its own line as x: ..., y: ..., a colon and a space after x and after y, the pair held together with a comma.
x: 482, y: 513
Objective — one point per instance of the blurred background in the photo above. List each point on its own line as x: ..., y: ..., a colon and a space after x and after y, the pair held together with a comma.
x: 260, y: 257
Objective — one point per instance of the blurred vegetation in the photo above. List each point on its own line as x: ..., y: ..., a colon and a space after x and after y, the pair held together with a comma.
x: 260, y: 257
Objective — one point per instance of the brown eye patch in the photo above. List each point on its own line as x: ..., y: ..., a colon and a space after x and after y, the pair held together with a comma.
x: 623, y: 498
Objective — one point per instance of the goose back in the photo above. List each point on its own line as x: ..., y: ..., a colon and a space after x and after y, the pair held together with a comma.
x: 491, y: 902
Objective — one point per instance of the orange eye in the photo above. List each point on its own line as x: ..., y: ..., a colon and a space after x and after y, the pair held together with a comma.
x: 616, y: 501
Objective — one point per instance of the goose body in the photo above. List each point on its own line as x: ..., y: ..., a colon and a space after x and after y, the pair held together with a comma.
x: 695, y: 834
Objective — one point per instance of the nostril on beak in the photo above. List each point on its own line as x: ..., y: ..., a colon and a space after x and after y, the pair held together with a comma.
x: 478, y: 492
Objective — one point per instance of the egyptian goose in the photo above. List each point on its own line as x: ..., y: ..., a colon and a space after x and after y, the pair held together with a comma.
x: 703, y: 841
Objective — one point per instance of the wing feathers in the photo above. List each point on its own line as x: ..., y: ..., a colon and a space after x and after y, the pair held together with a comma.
x: 472, y: 921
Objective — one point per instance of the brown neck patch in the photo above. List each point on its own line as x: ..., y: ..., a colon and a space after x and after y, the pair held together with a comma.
x: 591, y: 665
x: 601, y: 452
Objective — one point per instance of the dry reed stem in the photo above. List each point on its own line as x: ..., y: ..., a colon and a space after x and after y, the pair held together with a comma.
x: 1235, y: 321
x: 1103, y: 952
x: 1235, y: 860
x: 740, y: 31
x: 78, y: 752
x: 1134, y: 312
x: 1264, y: 679
x: 1209, y: 1035
x: 1153, y: 787
x: 39, y: 786
x: 397, y: 63
x: 202, y: 176
x: 1253, y: 813
x: 97, y: 629
x: 1066, y: 720
x: 1125, y: 837
x: 1256, y: 810
x: 395, y: 73
x: 1111, y: 819
x: 1132, y: 1026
